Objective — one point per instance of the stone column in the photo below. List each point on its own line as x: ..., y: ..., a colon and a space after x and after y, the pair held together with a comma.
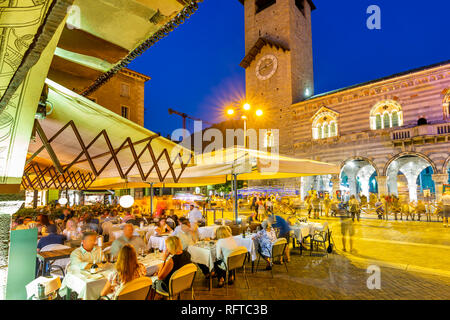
x: 336, y: 181
x: 9, y: 204
x: 364, y: 175
x: 439, y: 181
x: 382, y: 185
x: 352, y: 184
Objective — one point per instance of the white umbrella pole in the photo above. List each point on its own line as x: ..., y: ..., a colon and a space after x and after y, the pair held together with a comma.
x: 236, y: 213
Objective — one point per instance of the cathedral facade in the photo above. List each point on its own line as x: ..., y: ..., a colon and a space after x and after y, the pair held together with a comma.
x: 390, y: 135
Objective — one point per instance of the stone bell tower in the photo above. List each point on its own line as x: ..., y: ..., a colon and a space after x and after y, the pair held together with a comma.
x: 278, y: 60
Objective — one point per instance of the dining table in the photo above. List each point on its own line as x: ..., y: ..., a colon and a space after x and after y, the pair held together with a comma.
x: 157, y: 242
x: 89, y: 286
x: 303, y: 230
x: 47, y: 257
x: 208, y: 232
x: 204, y: 252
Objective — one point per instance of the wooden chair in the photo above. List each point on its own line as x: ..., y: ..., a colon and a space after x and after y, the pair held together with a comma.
x: 181, y: 280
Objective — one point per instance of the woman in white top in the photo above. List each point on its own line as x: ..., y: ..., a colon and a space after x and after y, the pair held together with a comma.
x: 71, y: 231
x: 224, y: 246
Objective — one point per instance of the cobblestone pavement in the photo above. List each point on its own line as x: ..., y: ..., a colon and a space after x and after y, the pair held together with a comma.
x: 404, y: 244
x: 322, y: 277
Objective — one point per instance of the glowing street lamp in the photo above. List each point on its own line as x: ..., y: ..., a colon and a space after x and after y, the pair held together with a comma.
x: 259, y: 112
x: 247, y: 106
x: 230, y: 112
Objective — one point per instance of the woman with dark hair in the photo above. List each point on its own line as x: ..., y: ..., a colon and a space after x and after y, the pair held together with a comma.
x: 163, y: 227
x: 127, y: 268
x: 42, y: 223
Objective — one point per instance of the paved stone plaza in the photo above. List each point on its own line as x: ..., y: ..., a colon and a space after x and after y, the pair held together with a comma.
x: 332, y: 277
x: 400, y: 248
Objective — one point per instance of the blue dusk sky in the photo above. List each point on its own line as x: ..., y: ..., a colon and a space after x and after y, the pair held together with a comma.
x: 196, y: 68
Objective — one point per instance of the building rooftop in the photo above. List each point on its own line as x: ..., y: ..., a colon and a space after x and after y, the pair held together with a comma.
x: 380, y: 79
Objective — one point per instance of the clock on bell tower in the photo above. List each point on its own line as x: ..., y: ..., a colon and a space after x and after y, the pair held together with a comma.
x: 278, y: 59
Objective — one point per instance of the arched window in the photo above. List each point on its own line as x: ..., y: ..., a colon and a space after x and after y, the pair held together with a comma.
x: 386, y: 114
x: 324, y: 124
x: 332, y: 129
x: 378, y: 121
x: 386, y: 121
x: 394, y: 119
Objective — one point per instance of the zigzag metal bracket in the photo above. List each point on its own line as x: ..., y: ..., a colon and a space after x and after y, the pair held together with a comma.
x: 64, y: 177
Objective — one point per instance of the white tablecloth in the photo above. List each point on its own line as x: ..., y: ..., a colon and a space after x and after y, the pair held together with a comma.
x: 248, y: 243
x: 203, y: 254
x: 89, y: 287
x: 207, y: 232
x: 157, y: 243
x: 303, y: 230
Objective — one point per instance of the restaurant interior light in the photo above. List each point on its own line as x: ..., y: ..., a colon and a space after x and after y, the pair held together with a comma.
x: 126, y: 201
x: 62, y: 201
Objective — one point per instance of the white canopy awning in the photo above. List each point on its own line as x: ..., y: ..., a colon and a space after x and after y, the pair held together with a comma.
x: 112, y: 143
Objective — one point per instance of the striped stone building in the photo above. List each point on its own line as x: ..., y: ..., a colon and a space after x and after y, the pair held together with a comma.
x: 383, y: 133
x: 390, y: 135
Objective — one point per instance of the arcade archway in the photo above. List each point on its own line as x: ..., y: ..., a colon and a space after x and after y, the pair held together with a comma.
x: 358, y: 176
x: 408, y: 175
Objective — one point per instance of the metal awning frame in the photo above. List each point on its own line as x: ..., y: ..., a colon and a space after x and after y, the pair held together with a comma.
x: 67, y: 176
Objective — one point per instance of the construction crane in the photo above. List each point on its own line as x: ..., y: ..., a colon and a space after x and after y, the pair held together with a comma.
x: 186, y: 116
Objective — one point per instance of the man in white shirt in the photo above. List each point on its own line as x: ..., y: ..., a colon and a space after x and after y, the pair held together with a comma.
x: 127, y: 238
x: 187, y: 233
x: 88, y: 253
x: 195, y: 216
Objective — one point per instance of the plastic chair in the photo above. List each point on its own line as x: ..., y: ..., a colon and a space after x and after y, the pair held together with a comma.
x: 236, y: 260
x: 181, y: 280
x: 137, y: 289
x: 278, y: 249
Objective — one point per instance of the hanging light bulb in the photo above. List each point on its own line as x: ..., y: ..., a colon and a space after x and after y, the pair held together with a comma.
x: 126, y: 201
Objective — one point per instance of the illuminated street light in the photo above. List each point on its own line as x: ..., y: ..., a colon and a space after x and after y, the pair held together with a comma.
x: 230, y: 112
x: 247, y: 106
x: 259, y: 112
